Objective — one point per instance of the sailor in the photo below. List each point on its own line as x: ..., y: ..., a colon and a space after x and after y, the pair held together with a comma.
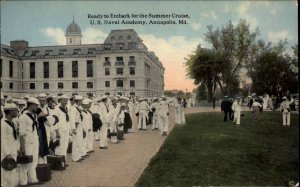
x: 90, y: 134
x: 120, y: 117
x: 236, y: 107
x: 97, y: 123
x: 63, y: 126
x: 10, y: 144
x: 143, y: 112
x: 154, y: 106
x: 77, y: 131
x: 179, y: 113
x: 29, y: 140
x: 113, y: 108
x: 127, y: 116
x: 44, y: 129
x: 163, y: 112
x: 86, y: 125
x: 103, y: 112
x: 2, y: 106
x: 286, y: 112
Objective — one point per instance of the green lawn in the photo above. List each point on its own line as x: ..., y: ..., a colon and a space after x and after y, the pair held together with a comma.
x: 208, y: 151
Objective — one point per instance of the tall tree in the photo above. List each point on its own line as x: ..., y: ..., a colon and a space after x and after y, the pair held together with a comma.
x: 207, y: 67
x: 236, y: 43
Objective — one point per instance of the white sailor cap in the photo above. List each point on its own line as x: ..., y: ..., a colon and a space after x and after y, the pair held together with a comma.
x: 26, y: 96
x: 10, y: 106
x: 42, y: 95
x: 284, y: 97
x: 78, y: 97
x: 89, y: 100
x: 115, y: 98
x: 63, y: 97
x: 98, y: 98
x: 21, y: 102
x: 103, y: 97
x: 85, y: 102
x: 33, y: 100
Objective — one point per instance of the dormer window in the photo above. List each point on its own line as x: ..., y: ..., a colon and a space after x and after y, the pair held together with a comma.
x: 112, y: 38
x: 129, y: 37
x: 34, y: 53
x: 61, y: 51
x: 76, y: 51
x: 120, y: 46
x: 120, y: 38
x: 107, y: 46
x: 47, y: 52
x: 91, y: 50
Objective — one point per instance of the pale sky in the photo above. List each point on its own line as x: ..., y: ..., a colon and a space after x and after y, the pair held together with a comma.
x: 44, y: 24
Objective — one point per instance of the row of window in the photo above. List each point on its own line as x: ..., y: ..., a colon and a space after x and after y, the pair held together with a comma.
x: 60, y: 68
x: 60, y: 85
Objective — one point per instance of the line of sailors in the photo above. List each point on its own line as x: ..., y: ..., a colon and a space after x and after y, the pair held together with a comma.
x: 40, y: 126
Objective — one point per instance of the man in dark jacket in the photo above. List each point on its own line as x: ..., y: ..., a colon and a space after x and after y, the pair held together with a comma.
x: 225, y: 107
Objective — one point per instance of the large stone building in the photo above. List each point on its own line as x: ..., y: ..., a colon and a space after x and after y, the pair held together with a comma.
x: 121, y: 65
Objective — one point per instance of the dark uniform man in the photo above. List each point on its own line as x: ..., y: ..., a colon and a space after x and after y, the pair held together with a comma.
x: 225, y: 107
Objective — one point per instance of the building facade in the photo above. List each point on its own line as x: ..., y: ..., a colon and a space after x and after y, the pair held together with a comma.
x: 121, y: 65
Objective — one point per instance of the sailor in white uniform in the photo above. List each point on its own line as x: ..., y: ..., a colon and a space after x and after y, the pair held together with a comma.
x: 29, y: 141
x: 163, y: 112
x: 10, y: 144
x: 103, y: 111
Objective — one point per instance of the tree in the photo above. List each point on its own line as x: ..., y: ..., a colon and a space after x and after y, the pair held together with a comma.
x: 236, y: 43
x: 273, y: 73
x: 201, y: 93
x: 207, y: 67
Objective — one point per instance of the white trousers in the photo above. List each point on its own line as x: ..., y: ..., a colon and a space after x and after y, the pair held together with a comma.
x: 9, y: 178
x: 97, y: 135
x: 28, y: 171
x: 103, y: 135
x: 63, y: 143
x: 142, y: 119
x: 77, y: 144
x: 90, y: 140
x: 164, y: 123
x: 155, y: 122
x: 113, y: 129
x: 286, y: 117
x: 237, y: 117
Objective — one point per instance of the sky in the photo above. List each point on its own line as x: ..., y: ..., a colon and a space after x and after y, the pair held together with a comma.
x: 43, y: 23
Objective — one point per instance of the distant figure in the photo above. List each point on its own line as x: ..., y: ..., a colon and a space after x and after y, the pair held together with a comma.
x: 179, y: 113
x: 184, y: 103
x: 236, y: 107
x: 230, y: 109
x: 250, y: 102
x: 286, y: 111
x: 225, y: 107
x: 214, y: 102
x: 256, y: 109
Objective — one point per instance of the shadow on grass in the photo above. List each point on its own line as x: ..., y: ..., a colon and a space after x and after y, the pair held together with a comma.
x: 208, y: 151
